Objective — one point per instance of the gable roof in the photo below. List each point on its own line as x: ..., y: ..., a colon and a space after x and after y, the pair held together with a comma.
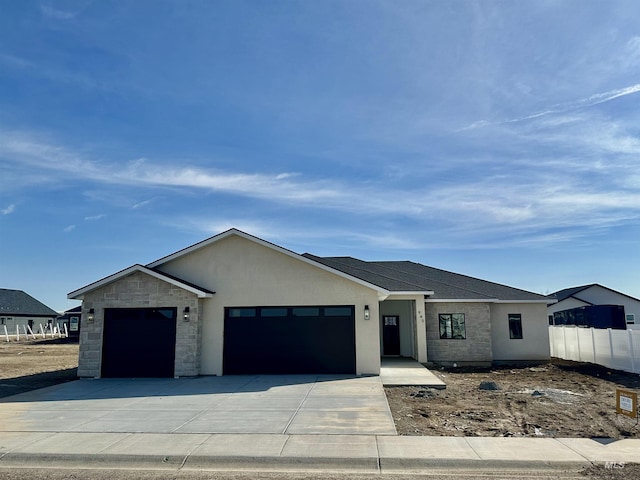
x: 239, y: 233
x: 410, y: 276
x: 570, y: 292
x: 19, y: 303
x: 199, y: 291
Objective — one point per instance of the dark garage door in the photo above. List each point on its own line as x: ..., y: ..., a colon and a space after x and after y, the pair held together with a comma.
x: 277, y: 340
x: 139, y: 342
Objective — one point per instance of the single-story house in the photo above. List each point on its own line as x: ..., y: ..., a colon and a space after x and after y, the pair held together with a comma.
x: 601, y: 304
x: 19, y: 309
x: 237, y: 304
x: 71, y: 318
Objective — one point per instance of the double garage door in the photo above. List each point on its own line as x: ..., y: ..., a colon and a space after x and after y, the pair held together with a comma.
x: 294, y: 340
x: 140, y: 342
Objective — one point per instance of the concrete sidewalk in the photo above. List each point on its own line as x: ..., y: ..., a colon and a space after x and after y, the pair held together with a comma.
x: 356, y: 453
x: 403, y: 372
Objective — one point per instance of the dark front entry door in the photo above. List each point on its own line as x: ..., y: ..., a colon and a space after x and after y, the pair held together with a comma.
x: 391, y: 335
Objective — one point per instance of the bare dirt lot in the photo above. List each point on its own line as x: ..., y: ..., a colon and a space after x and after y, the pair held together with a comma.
x: 558, y: 399
x: 35, y: 364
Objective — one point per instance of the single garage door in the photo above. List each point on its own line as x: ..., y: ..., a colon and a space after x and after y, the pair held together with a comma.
x: 139, y: 342
x: 277, y: 340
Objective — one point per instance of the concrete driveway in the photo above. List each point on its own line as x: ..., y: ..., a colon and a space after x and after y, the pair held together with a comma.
x: 273, y: 404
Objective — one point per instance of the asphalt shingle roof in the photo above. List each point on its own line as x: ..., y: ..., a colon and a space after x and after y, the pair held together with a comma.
x: 569, y: 292
x: 406, y: 276
x: 19, y: 303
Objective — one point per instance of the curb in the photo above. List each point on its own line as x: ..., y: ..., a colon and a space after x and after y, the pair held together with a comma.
x: 271, y: 463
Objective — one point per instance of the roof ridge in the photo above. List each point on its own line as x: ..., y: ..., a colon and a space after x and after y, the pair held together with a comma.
x: 447, y: 283
x: 336, y: 259
x: 461, y: 275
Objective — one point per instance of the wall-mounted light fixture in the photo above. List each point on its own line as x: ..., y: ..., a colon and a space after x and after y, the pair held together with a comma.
x: 367, y: 314
x: 186, y: 314
x: 91, y: 315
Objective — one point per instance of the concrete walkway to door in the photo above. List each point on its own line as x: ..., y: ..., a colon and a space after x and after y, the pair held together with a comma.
x: 402, y: 371
x: 255, y: 404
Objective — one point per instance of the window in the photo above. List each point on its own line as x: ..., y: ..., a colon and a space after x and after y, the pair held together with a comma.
x: 274, y: 312
x: 515, y: 326
x: 338, y: 311
x: 550, y: 319
x: 306, y: 312
x: 452, y: 326
x: 242, y: 312
x: 631, y: 318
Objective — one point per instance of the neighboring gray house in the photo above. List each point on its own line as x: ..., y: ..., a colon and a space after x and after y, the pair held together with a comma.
x: 587, y: 297
x: 71, y: 318
x: 236, y: 304
x: 18, y: 308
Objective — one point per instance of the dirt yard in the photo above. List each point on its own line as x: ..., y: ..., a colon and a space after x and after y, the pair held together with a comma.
x: 559, y: 399
x: 28, y: 365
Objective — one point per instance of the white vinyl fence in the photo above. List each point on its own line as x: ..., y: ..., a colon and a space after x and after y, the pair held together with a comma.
x: 24, y: 332
x: 617, y: 349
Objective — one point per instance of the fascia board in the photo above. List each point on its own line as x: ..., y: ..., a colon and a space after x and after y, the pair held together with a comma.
x: 79, y: 294
x: 461, y: 300
x: 393, y: 293
x: 546, y: 301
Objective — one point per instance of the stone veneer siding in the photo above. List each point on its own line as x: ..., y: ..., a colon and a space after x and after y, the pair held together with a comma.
x: 140, y: 290
x: 475, y: 349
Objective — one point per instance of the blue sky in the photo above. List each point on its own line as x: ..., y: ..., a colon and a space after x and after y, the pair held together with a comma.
x: 498, y: 139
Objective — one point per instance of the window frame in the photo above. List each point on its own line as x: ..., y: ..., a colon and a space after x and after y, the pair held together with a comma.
x: 515, y: 319
x: 455, y: 326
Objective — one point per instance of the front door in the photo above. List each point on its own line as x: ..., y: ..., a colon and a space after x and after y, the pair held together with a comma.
x: 391, y: 335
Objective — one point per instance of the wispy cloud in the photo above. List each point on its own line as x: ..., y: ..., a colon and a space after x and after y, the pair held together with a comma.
x: 144, y: 203
x: 56, y: 13
x: 9, y: 209
x: 590, y: 101
x: 531, y: 195
x: 69, y: 228
x: 93, y: 218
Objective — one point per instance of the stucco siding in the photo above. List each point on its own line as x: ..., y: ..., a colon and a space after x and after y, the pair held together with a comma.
x: 534, y: 344
x: 475, y: 349
x: 245, y: 273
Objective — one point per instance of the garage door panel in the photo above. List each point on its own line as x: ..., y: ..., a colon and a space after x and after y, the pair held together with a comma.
x: 139, y: 342
x: 289, y: 344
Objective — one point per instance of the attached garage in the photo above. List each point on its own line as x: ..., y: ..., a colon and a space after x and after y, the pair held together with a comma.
x: 289, y: 340
x: 139, y: 342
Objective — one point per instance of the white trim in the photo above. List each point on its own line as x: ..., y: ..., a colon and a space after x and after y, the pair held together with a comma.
x: 546, y: 302
x: 481, y: 300
x: 462, y: 300
x: 79, y: 294
x: 393, y: 293
x: 270, y: 245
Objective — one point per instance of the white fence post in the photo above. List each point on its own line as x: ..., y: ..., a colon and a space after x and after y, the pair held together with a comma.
x: 632, y: 354
x: 6, y: 334
x: 18, y: 333
x: 66, y: 332
x: 610, y: 348
x: 30, y: 331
